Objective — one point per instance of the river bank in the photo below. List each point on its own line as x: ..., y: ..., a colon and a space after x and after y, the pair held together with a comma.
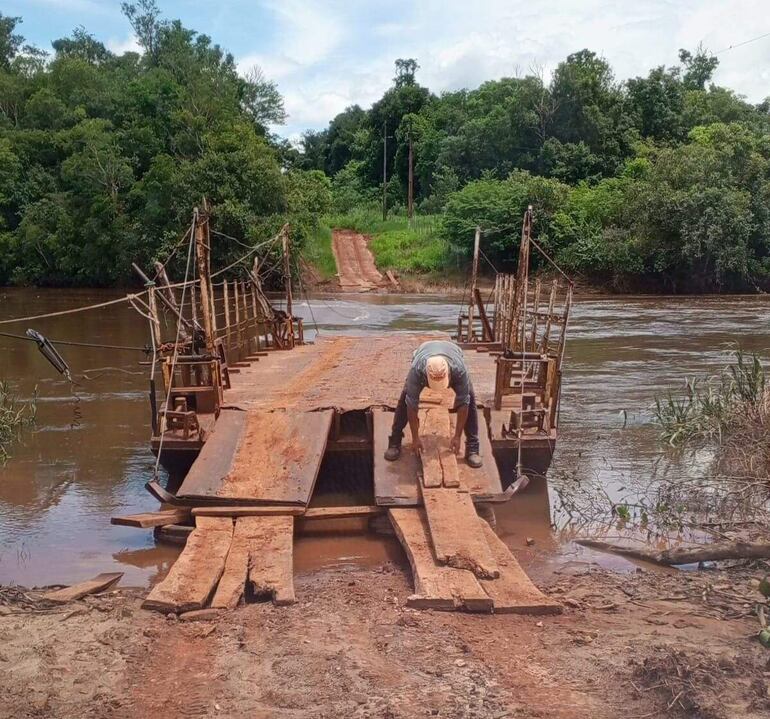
x: 350, y: 647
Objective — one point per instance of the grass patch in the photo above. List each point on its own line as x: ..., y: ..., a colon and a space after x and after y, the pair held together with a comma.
x: 14, y: 416
x: 396, y: 244
x: 318, y: 251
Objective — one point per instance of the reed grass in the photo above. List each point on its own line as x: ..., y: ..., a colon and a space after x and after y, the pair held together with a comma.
x: 15, y: 415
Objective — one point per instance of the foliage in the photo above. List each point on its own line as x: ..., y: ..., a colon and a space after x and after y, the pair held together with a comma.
x: 710, y: 410
x: 660, y: 181
x: 103, y: 157
x: 15, y: 415
x: 318, y: 251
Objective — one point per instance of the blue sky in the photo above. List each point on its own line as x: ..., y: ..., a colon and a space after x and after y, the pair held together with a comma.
x: 328, y: 54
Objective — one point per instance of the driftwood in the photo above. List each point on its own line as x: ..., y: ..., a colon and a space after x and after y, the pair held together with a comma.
x: 686, y: 555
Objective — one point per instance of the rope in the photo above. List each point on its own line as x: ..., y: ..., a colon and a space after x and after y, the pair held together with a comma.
x: 176, y: 349
x: 127, y: 298
x: 146, y: 350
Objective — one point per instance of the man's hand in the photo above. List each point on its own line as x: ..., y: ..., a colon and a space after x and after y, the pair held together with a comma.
x: 454, y: 444
x: 417, y: 445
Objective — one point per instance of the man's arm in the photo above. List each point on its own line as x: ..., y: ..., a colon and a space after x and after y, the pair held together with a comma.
x: 414, y: 426
x: 462, y: 418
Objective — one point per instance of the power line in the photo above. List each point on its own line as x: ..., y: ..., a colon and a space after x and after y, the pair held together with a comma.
x: 741, y: 44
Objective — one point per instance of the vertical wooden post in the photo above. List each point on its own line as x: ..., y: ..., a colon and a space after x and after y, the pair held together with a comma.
x: 474, y: 277
x: 153, y: 302
x: 237, y: 318
x: 226, y: 300
x: 257, y: 340
x: 202, y: 254
x: 287, y: 272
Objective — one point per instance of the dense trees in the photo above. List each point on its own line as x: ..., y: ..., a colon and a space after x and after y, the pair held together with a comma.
x: 102, y: 157
x: 660, y: 181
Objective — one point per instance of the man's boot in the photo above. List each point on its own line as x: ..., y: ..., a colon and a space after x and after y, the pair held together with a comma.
x: 473, y: 458
x: 393, y: 452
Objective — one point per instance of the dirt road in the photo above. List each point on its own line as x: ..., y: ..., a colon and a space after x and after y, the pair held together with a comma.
x: 356, y: 270
x: 639, y: 645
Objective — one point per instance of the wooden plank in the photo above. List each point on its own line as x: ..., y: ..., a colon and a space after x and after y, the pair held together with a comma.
x: 457, y: 537
x: 244, y: 511
x: 436, y: 586
x: 145, y: 520
x: 271, y: 559
x: 98, y: 584
x: 278, y: 457
x: 513, y: 591
x: 342, y: 512
x: 434, y: 432
x: 213, y: 464
x: 395, y: 483
x: 196, y: 572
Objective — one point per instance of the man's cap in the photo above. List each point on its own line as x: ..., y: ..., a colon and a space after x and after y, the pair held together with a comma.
x: 437, y: 369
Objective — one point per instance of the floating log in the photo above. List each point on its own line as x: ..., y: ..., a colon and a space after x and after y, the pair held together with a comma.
x: 98, y: 584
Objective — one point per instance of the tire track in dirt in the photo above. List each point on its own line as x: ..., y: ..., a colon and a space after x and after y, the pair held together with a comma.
x: 356, y: 271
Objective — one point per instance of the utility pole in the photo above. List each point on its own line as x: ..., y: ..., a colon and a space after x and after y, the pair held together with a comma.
x: 410, y: 200
x: 385, y: 172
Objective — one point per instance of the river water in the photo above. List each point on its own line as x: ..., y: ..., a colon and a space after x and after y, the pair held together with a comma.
x: 88, y: 456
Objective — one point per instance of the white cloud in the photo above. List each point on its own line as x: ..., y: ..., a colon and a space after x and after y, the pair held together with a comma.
x: 328, y: 54
x: 127, y: 44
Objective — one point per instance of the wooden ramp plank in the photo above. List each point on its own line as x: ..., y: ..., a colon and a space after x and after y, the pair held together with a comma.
x: 457, y: 537
x: 213, y: 463
x: 197, y: 571
x: 261, y: 554
x: 513, y: 591
x: 278, y: 457
x: 436, y: 586
x: 98, y: 584
x: 434, y: 432
x: 395, y: 483
x: 271, y: 559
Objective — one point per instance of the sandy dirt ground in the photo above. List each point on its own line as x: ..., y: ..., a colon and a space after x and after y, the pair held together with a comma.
x: 356, y: 270
x: 645, y: 644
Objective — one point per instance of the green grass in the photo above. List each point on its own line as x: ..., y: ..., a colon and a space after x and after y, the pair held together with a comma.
x: 397, y: 245
x: 14, y: 416
x: 318, y: 251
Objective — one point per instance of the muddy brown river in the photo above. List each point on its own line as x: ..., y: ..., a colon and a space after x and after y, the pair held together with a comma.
x: 88, y: 457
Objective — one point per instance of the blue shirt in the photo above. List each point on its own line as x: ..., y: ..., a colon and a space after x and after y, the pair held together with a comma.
x: 417, y: 379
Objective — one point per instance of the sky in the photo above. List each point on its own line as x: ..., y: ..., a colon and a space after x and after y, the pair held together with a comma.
x: 329, y: 54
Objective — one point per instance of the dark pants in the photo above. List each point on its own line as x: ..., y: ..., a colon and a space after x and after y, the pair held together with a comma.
x: 401, y: 419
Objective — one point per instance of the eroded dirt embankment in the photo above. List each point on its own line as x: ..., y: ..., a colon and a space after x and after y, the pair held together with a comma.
x: 640, y: 645
x: 356, y: 270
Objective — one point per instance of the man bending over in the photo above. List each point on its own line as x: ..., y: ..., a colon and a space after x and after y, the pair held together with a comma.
x: 439, y: 365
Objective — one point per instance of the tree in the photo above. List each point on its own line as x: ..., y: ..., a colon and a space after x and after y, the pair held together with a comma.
x: 406, y: 70
x: 144, y: 16
x: 698, y: 68
x: 10, y: 42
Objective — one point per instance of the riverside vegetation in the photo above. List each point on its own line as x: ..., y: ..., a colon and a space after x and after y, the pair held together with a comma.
x: 658, y: 182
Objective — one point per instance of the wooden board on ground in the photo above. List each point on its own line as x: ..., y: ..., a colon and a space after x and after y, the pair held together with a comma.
x: 457, y: 537
x: 98, y: 584
x: 145, y: 520
x: 395, y: 483
x: 513, y: 591
x: 276, y: 460
x: 216, y: 457
x: 244, y: 511
x: 262, y: 556
x: 436, y: 586
x: 196, y: 572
